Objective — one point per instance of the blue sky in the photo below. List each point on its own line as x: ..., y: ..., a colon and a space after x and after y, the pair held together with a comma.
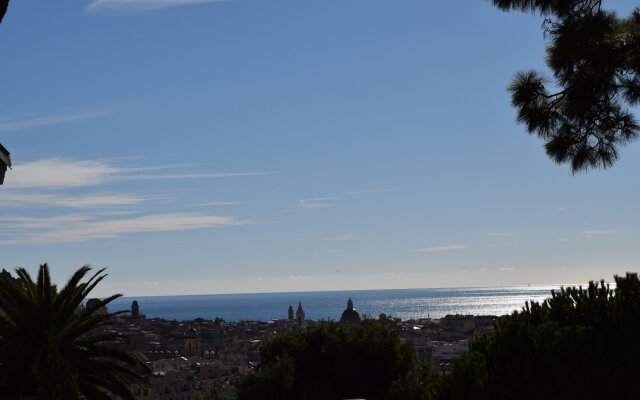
x: 264, y: 145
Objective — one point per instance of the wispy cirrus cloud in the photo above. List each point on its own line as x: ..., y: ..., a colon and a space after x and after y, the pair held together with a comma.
x: 436, y: 249
x: 341, y: 238
x: 36, y: 121
x: 320, y: 202
x: 41, y: 189
x: 331, y: 201
x: 595, y: 234
x: 135, y: 6
x: 59, y: 222
x: 82, y: 228
x: 299, y: 277
x: 191, y: 176
x: 223, y: 203
x: 26, y: 199
x: 58, y: 173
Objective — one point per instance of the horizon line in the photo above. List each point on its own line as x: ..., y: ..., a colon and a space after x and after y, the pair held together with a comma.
x: 539, y: 286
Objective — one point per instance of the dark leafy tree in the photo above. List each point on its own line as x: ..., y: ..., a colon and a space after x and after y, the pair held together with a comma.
x: 50, y: 346
x: 578, y: 344
x: 336, y: 361
x: 212, y: 392
x: 583, y: 114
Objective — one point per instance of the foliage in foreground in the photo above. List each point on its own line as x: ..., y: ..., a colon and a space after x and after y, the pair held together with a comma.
x: 4, y: 4
x: 580, y: 343
x: 47, y: 346
x: 583, y: 115
x: 336, y: 361
x: 212, y: 392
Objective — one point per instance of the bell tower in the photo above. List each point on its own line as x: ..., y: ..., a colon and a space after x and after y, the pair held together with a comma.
x: 300, y: 314
x: 192, y: 342
x: 135, y: 310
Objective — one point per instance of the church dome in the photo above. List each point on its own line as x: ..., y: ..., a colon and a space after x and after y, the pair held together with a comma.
x: 350, y: 314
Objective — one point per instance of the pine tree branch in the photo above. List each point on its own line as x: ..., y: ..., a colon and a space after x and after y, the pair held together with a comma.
x: 4, y: 4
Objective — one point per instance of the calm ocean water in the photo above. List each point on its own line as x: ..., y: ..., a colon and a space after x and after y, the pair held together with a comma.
x: 401, y: 303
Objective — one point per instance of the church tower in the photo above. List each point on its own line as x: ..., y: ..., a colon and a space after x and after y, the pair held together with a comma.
x: 300, y: 314
x: 290, y: 313
x: 135, y: 310
x: 192, y: 342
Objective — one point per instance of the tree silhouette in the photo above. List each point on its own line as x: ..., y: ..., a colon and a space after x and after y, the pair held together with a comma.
x: 583, y: 114
x: 580, y: 343
x: 4, y: 4
x: 336, y: 361
x: 49, y: 346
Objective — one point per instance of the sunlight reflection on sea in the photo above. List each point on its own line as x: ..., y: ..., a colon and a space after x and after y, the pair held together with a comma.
x: 400, y: 303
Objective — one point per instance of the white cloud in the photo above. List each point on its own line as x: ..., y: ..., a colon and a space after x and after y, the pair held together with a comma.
x: 299, y: 277
x: 222, y: 203
x: 43, y: 223
x: 507, y: 269
x: 72, y: 229
x: 191, y: 176
x: 25, y: 199
x: 60, y: 173
x: 118, y: 212
x: 441, y: 248
x: 43, y: 187
x: 133, y: 6
x: 63, y: 173
x: 320, y: 202
x: 594, y: 234
x: 18, y: 124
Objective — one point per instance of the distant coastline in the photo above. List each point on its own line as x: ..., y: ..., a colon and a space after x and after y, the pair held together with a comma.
x: 327, y: 305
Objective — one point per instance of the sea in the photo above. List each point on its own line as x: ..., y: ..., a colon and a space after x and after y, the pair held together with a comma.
x: 405, y: 304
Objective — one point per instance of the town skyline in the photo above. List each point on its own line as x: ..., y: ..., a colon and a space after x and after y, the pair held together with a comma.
x: 197, y: 147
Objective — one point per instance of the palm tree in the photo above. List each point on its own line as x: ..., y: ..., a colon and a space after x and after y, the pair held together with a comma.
x: 51, y: 347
